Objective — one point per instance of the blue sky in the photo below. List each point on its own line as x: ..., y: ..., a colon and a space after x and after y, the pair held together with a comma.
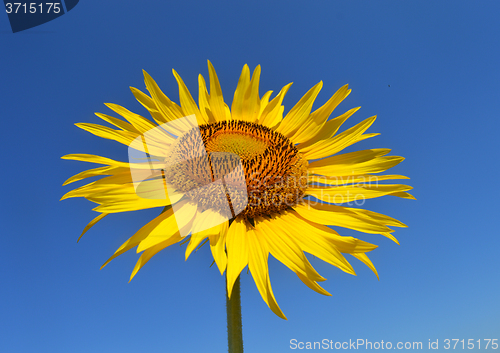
x: 429, y: 70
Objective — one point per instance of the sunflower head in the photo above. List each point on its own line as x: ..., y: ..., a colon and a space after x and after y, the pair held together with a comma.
x: 246, y: 179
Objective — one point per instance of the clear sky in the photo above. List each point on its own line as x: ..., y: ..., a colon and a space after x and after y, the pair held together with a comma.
x: 428, y: 69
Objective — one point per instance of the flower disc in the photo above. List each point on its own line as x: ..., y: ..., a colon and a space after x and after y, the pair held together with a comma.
x: 274, y: 173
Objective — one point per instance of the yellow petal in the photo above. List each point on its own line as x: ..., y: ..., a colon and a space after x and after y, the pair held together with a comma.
x: 117, y: 122
x: 318, y: 118
x: 130, y: 203
x: 239, y: 94
x: 91, y: 224
x: 188, y: 104
x: 328, y: 147
x: 364, y: 258
x: 403, y: 195
x: 205, y: 224
x: 297, y: 116
x: 257, y: 264
x: 272, y: 114
x: 83, y: 191
x: 285, y: 249
x: 351, y: 179
x: 350, y: 158
x: 250, y: 105
x: 194, y: 240
x: 161, y: 108
x: 170, y: 110
x: 390, y: 236
x: 376, y: 165
x: 95, y: 159
x: 116, y: 192
x: 203, y: 101
x: 218, y: 247
x: 165, y: 112
x: 237, y: 251
x: 347, y: 193
x: 216, y: 99
x: 94, y: 172
x: 181, y: 220
x: 308, y: 230
x: 102, y: 186
x: 381, y: 218
x: 140, y: 123
x: 337, y: 216
x: 115, y: 181
x: 129, y: 138
x: 207, y: 220
x: 329, y: 129
x: 319, y: 246
x: 124, y: 137
x: 144, y: 148
x: 312, y: 284
x: 141, y: 234
x: 150, y: 252
x: 264, y: 101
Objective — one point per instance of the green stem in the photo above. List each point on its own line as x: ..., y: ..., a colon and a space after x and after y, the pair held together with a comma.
x: 234, y: 327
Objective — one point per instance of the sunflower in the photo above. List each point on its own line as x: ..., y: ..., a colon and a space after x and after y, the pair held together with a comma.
x: 244, y: 179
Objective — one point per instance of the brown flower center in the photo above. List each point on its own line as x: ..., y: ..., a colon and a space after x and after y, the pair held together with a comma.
x: 254, y: 169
